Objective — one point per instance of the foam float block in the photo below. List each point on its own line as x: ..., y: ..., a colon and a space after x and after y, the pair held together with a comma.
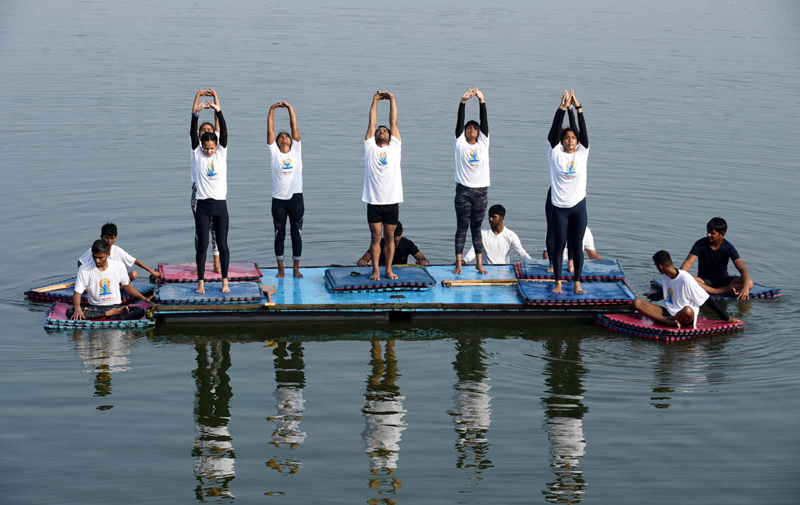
x: 640, y: 326
x: 758, y: 291
x: 65, y: 295
x: 593, y: 270
x: 596, y: 294
x: 56, y: 318
x: 184, y: 294
x: 348, y: 279
x: 187, y: 272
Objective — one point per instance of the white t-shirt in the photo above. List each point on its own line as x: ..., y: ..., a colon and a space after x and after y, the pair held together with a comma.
x: 496, y: 247
x: 383, y: 183
x: 588, y: 242
x: 103, y: 287
x: 567, y: 175
x: 287, y: 171
x: 210, y: 174
x: 472, y: 161
x: 117, y: 254
x: 191, y: 172
x: 682, y: 291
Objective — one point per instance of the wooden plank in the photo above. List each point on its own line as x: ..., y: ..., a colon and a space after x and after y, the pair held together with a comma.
x: 54, y: 287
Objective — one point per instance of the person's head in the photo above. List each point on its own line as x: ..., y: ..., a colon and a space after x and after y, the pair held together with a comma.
x: 109, y: 233
x: 209, y: 143
x: 100, y: 252
x: 471, y: 130
x: 382, y: 135
x: 662, y: 260
x: 206, y: 128
x: 398, y: 233
x: 284, y: 141
x: 569, y: 139
x: 716, y: 229
x: 497, y: 213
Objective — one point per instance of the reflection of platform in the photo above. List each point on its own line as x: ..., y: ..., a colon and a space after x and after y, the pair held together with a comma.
x: 640, y: 326
x: 758, y: 291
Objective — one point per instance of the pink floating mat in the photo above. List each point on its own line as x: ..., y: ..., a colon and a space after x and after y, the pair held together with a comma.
x: 187, y: 272
x: 57, y: 318
x: 640, y: 326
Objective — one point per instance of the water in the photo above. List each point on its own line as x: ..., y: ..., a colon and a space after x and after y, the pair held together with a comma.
x: 691, y: 109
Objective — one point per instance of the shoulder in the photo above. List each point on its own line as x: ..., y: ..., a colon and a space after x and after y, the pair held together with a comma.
x: 86, y: 269
x: 395, y: 142
x: 700, y: 244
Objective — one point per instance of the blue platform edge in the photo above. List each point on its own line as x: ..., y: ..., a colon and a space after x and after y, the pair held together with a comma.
x: 593, y: 270
x: 242, y: 292
x: 65, y: 295
x: 758, y: 291
x: 409, y: 278
x: 596, y: 293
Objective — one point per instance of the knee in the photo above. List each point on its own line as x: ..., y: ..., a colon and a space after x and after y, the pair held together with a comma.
x: 637, y: 304
x: 685, y: 316
x: 133, y: 275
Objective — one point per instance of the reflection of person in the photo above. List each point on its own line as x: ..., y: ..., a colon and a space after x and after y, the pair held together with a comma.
x: 383, y: 183
x: 471, y: 406
x: 287, y: 187
x: 103, y: 353
x: 588, y: 247
x: 289, y: 402
x: 472, y: 178
x: 498, y: 240
x: 206, y: 128
x: 403, y: 248
x: 383, y: 416
x: 213, y: 448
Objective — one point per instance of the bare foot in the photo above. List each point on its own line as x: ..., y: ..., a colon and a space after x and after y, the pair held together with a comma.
x: 225, y: 287
x: 577, y: 289
x: 571, y: 267
x: 376, y: 275
x: 217, y: 267
x: 671, y: 321
x: 390, y: 274
x: 117, y: 311
x: 550, y: 270
x: 557, y: 287
x: 297, y: 273
x: 201, y: 288
x: 281, y: 274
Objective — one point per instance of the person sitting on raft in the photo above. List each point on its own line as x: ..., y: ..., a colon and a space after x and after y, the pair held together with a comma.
x: 714, y: 251
x: 102, y: 277
x: 287, y: 187
x: 108, y: 232
x: 588, y: 247
x: 682, y: 297
x: 403, y: 248
x: 206, y: 128
x: 497, y: 240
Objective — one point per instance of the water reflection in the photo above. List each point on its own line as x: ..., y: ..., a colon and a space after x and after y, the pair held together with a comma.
x: 213, y: 448
x: 383, y: 416
x: 103, y: 353
x: 290, y: 379
x: 563, y: 419
x: 681, y: 368
x: 471, y: 407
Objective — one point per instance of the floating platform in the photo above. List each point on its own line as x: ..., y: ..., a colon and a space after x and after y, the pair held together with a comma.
x: 758, y: 291
x: 593, y: 270
x: 468, y: 295
x: 640, y: 326
x: 187, y: 272
x: 185, y: 294
x: 61, y: 291
x: 56, y: 319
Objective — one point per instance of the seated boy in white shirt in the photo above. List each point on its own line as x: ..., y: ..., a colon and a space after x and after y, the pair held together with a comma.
x: 588, y: 246
x: 109, y: 233
x: 497, y: 241
x: 682, y: 297
x: 102, y: 279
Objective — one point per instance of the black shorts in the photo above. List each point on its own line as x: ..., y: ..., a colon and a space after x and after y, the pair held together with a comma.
x: 718, y: 282
x: 386, y: 214
x: 665, y: 312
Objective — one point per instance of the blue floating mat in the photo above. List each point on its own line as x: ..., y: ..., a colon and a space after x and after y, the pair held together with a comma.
x: 593, y: 270
x: 758, y: 291
x: 640, y: 326
x: 597, y: 293
x: 65, y: 295
x: 352, y: 279
x: 184, y: 294
x: 56, y: 319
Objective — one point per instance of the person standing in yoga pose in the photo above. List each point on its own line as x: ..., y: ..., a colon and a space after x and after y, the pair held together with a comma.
x: 472, y: 179
x: 204, y: 128
x: 568, y: 154
x: 383, y: 183
x: 287, y: 187
x: 210, y: 174
x: 548, y: 206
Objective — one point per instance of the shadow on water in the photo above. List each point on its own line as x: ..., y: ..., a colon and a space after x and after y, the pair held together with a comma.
x: 290, y: 380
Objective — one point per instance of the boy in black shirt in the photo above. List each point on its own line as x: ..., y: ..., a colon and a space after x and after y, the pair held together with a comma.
x: 712, y: 271
x: 403, y: 248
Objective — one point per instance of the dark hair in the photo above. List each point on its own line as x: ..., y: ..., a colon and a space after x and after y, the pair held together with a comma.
x: 101, y: 246
x: 472, y: 122
x: 109, y: 229
x: 209, y: 136
x: 497, y: 209
x: 399, y: 230
x: 564, y: 132
x: 206, y: 123
x: 387, y: 129
x: 287, y: 136
x: 717, y: 224
x: 662, y: 258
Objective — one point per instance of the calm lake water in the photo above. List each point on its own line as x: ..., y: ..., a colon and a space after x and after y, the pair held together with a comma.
x: 691, y: 108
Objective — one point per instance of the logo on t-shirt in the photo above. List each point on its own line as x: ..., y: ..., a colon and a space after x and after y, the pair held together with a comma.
x: 473, y: 156
x: 382, y: 161
x: 670, y: 295
x: 210, y: 171
x: 105, y: 287
x: 287, y: 164
x: 571, y: 168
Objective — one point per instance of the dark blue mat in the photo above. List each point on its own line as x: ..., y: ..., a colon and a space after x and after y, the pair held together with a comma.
x: 184, y: 294
x: 597, y: 293
x: 593, y: 270
x: 758, y: 291
x: 346, y: 279
x: 65, y: 295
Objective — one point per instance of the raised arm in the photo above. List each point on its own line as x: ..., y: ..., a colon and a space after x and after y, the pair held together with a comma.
x: 271, y: 124
x: 193, y: 127
x: 393, y: 129
x: 213, y: 93
x: 223, y: 128
x: 373, y: 116
x: 571, y: 115
x: 293, y: 122
x: 583, y: 138
x: 484, y: 126
x: 462, y: 108
x: 555, y: 130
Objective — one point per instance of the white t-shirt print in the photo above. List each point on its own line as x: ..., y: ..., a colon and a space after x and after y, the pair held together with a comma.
x: 472, y: 161
x: 567, y: 175
x: 102, y: 286
x: 682, y: 291
x: 383, y: 182
x: 287, y: 171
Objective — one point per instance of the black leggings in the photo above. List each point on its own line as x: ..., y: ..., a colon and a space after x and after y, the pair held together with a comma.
x: 206, y: 210
x: 470, y: 209
x: 548, y: 207
x: 569, y: 226
x: 194, y: 211
x: 99, y: 312
x: 294, y: 209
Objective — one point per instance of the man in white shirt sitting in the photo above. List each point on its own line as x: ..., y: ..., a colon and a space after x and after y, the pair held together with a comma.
x: 497, y: 241
x: 588, y: 246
